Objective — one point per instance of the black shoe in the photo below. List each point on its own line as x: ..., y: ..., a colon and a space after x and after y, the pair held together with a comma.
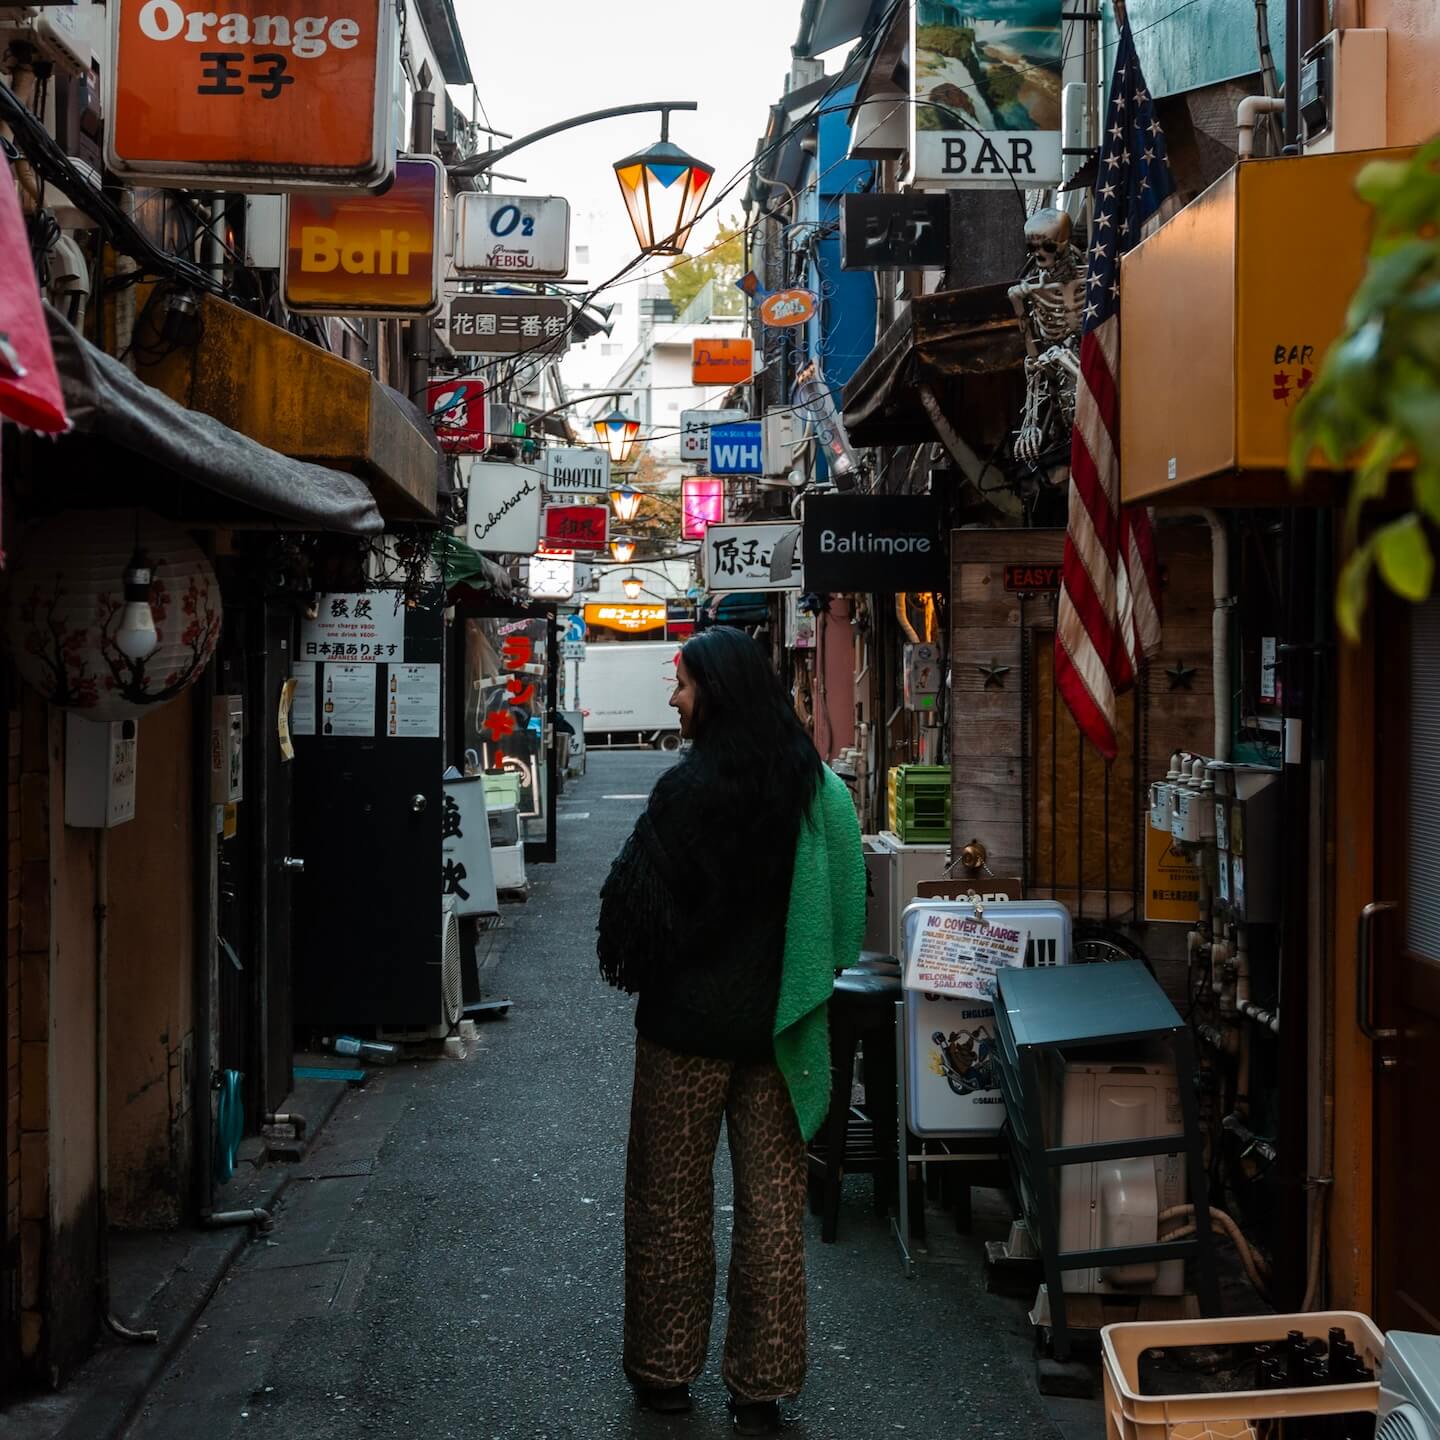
x: 755, y: 1417
x: 663, y: 1399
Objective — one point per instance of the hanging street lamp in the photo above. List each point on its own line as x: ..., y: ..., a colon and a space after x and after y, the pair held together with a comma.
x: 663, y: 189
x: 633, y: 586
x: 622, y: 550
x: 618, y: 432
x: 625, y: 502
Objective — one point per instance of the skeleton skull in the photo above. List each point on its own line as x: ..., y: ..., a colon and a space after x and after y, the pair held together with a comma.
x: 1047, y: 237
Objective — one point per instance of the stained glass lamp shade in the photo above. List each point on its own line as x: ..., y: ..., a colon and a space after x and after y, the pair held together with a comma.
x: 617, y: 432
x: 664, y: 189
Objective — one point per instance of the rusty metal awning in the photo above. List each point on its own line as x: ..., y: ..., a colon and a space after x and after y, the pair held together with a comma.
x: 941, y: 338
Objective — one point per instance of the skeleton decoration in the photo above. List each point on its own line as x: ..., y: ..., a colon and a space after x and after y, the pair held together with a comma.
x: 1049, y: 299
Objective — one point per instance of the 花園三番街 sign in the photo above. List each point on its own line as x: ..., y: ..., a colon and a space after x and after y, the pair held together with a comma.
x: 363, y: 254
x: 250, y: 96
x: 531, y: 325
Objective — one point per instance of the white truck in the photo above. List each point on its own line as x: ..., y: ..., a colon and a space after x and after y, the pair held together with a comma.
x: 625, y: 690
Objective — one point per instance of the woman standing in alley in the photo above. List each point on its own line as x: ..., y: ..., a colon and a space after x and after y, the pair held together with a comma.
x: 738, y: 895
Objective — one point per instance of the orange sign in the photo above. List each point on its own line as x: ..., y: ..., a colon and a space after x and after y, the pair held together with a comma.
x: 366, y: 254
x: 721, y: 362
x: 264, y: 95
x: 788, y: 307
x: 1172, y: 883
x: 626, y: 617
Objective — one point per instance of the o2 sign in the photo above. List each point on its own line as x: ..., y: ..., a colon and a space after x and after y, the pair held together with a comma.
x: 512, y: 237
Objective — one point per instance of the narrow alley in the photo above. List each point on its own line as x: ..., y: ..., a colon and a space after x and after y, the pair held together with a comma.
x: 447, y: 1261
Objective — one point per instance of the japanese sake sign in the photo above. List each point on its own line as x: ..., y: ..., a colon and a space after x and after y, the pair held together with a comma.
x: 364, y: 628
x: 467, y: 878
x: 764, y: 556
x: 961, y: 955
x: 533, y: 325
x: 251, y: 96
x: 986, y: 80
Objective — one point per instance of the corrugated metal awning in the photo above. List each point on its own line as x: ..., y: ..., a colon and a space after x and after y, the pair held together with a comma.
x: 106, y: 401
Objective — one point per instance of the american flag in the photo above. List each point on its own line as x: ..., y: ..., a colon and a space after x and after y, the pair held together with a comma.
x: 1109, y: 615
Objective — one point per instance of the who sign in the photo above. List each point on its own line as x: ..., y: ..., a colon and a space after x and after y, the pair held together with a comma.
x: 736, y: 449
x: 512, y: 237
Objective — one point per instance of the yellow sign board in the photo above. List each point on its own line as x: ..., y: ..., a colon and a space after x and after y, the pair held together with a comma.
x: 1172, y: 881
x: 626, y: 617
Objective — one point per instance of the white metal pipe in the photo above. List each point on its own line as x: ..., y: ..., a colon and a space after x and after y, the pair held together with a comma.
x: 1247, y: 114
x: 1219, y: 620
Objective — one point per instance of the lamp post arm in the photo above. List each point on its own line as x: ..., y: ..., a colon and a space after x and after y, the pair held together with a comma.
x: 479, y: 164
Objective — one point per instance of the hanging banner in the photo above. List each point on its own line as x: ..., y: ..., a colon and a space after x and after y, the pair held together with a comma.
x: 502, y: 509
x: 702, y: 503
x: 577, y: 527
x: 753, y: 557
x: 985, y: 93
x: 873, y: 544
x: 458, y: 411
x: 512, y: 237
x: 255, y: 97
x: 360, y: 254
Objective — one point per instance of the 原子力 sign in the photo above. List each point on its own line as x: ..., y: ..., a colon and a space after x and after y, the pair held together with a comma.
x: 762, y: 556
x: 232, y: 99
x: 514, y: 237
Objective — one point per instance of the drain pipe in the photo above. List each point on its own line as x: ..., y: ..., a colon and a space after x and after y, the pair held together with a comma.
x: 102, y: 1098
x: 1247, y: 114
x: 255, y: 1215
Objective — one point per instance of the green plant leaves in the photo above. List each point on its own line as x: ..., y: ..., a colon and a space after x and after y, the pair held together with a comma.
x: 1402, y: 553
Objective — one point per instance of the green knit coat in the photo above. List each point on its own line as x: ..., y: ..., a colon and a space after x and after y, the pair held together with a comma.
x: 824, y: 928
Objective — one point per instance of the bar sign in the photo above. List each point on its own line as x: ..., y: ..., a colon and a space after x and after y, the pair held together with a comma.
x: 1032, y: 579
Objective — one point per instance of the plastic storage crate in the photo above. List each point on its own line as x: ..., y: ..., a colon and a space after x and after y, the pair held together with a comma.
x: 918, y: 803
x: 1229, y: 1414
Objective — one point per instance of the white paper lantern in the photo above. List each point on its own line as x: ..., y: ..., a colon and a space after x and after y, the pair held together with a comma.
x: 67, y: 597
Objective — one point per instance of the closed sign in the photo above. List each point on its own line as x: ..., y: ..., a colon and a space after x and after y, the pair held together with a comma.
x: 515, y: 237
x: 255, y: 96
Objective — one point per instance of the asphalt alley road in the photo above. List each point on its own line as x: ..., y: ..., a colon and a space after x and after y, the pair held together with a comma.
x: 447, y: 1262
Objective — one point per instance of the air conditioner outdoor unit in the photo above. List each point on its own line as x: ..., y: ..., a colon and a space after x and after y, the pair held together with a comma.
x: 451, y: 991
x: 59, y: 32
x: 1410, y: 1387
x: 781, y: 435
x: 1116, y: 1203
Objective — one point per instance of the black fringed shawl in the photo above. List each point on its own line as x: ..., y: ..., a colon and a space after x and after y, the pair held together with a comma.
x: 692, y: 917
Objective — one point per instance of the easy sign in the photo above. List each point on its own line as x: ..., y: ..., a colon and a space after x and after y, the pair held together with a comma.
x: 252, y: 96
x: 512, y: 237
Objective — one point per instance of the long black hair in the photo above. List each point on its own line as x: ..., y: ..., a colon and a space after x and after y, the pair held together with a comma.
x: 746, y: 733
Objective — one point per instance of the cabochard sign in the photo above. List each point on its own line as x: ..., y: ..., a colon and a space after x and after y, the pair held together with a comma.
x: 879, y: 543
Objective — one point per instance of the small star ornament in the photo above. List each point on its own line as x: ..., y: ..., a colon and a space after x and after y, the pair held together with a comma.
x: 1181, y: 675
x: 994, y: 674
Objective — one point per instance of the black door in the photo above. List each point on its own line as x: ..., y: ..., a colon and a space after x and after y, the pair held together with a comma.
x: 270, y: 783
x: 366, y: 822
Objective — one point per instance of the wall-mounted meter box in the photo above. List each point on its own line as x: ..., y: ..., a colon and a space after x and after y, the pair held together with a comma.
x: 100, y: 765
x: 1247, y: 841
x: 227, y: 749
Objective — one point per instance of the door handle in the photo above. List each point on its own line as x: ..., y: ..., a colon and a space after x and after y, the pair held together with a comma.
x: 418, y: 804
x: 294, y: 865
x: 1364, y: 948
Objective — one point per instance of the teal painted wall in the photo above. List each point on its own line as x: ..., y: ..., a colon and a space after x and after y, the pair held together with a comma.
x: 1185, y: 44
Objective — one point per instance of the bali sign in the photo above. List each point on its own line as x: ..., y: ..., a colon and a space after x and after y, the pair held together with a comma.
x: 787, y: 307
x: 363, y: 254
x: 986, y: 79
x: 256, y: 97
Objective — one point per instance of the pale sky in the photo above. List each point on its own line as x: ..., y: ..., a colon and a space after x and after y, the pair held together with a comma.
x: 539, y: 61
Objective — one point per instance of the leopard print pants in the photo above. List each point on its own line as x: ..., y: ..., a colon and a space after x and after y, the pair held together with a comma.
x: 675, y: 1116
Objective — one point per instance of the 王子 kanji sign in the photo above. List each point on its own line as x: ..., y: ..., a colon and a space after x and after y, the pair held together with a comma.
x: 258, y: 97
x: 531, y: 325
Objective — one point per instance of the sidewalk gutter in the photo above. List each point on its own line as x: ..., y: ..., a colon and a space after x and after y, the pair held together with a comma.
x: 164, y: 1281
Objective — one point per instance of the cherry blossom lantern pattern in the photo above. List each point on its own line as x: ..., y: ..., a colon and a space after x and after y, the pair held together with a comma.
x: 68, y: 604
x: 702, y: 503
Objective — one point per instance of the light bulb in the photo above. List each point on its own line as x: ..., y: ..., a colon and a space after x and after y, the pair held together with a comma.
x: 136, y: 638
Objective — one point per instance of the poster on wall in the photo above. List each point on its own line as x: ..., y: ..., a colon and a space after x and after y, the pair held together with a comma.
x: 412, y: 701
x: 986, y: 81
x: 364, y: 628
x: 349, y: 700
